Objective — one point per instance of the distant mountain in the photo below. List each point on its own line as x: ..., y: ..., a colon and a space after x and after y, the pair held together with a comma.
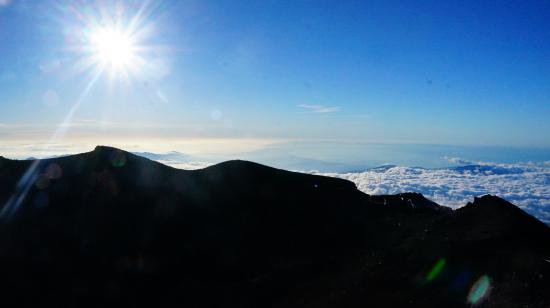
x: 109, y: 228
x: 171, y: 156
x: 489, y: 169
x: 278, y: 159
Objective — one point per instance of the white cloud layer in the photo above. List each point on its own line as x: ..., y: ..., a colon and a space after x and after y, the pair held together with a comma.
x: 527, y: 185
x: 193, y: 165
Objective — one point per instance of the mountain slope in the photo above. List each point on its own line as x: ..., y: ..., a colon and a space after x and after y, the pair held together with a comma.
x: 108, y: 227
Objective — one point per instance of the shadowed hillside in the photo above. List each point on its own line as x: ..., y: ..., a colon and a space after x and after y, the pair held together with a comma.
x: 111, y: 228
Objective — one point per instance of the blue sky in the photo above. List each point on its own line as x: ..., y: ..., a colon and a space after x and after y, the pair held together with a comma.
x: 431, y: 72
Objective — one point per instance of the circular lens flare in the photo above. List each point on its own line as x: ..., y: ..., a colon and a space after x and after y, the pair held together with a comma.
x: 436, y: 270
x: 479, y: 290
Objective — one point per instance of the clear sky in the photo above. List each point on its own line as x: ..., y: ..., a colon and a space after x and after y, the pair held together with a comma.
x: 427, y: 72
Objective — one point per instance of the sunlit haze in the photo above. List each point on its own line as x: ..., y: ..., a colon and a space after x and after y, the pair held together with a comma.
x: 439, y: 73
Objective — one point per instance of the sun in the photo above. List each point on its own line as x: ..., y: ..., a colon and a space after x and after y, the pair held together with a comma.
x: 119, y: 43
x: 113, y: 48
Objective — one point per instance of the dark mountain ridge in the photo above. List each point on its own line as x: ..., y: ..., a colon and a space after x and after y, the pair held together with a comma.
x: 111, y: 228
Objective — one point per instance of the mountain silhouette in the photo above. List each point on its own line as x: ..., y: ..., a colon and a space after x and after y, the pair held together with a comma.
x: 110, y: 228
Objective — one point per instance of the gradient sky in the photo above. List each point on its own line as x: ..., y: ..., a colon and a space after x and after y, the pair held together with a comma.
x: 432, y: 72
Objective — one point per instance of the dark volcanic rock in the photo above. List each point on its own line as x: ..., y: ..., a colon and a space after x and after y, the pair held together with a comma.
x: 111, y: 228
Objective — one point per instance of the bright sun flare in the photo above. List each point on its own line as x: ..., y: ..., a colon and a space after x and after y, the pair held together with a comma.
x: 113, y: 48
x: 114, y: 44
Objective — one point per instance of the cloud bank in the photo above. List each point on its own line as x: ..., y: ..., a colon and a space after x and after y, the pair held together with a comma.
x: 193, y: 165
x: 526, y: 185
x: 176, y: 159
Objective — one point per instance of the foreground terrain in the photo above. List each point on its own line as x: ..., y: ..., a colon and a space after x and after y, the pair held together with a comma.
x: 111, y: 228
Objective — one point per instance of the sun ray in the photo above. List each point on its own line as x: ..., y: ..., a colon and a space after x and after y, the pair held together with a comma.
x: 107, y: 47
x: 30, y: 175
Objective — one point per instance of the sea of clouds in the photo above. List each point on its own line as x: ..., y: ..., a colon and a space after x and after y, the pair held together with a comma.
x: 527, y: 185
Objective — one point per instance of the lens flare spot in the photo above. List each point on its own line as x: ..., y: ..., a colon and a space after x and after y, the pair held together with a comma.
x: 50, y: 98
x: 53, y: 171
x: 42, y: 182
x: 118, y: 159
x: 436, y: 269
x: 216, y: 114
x: 479, y: 290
